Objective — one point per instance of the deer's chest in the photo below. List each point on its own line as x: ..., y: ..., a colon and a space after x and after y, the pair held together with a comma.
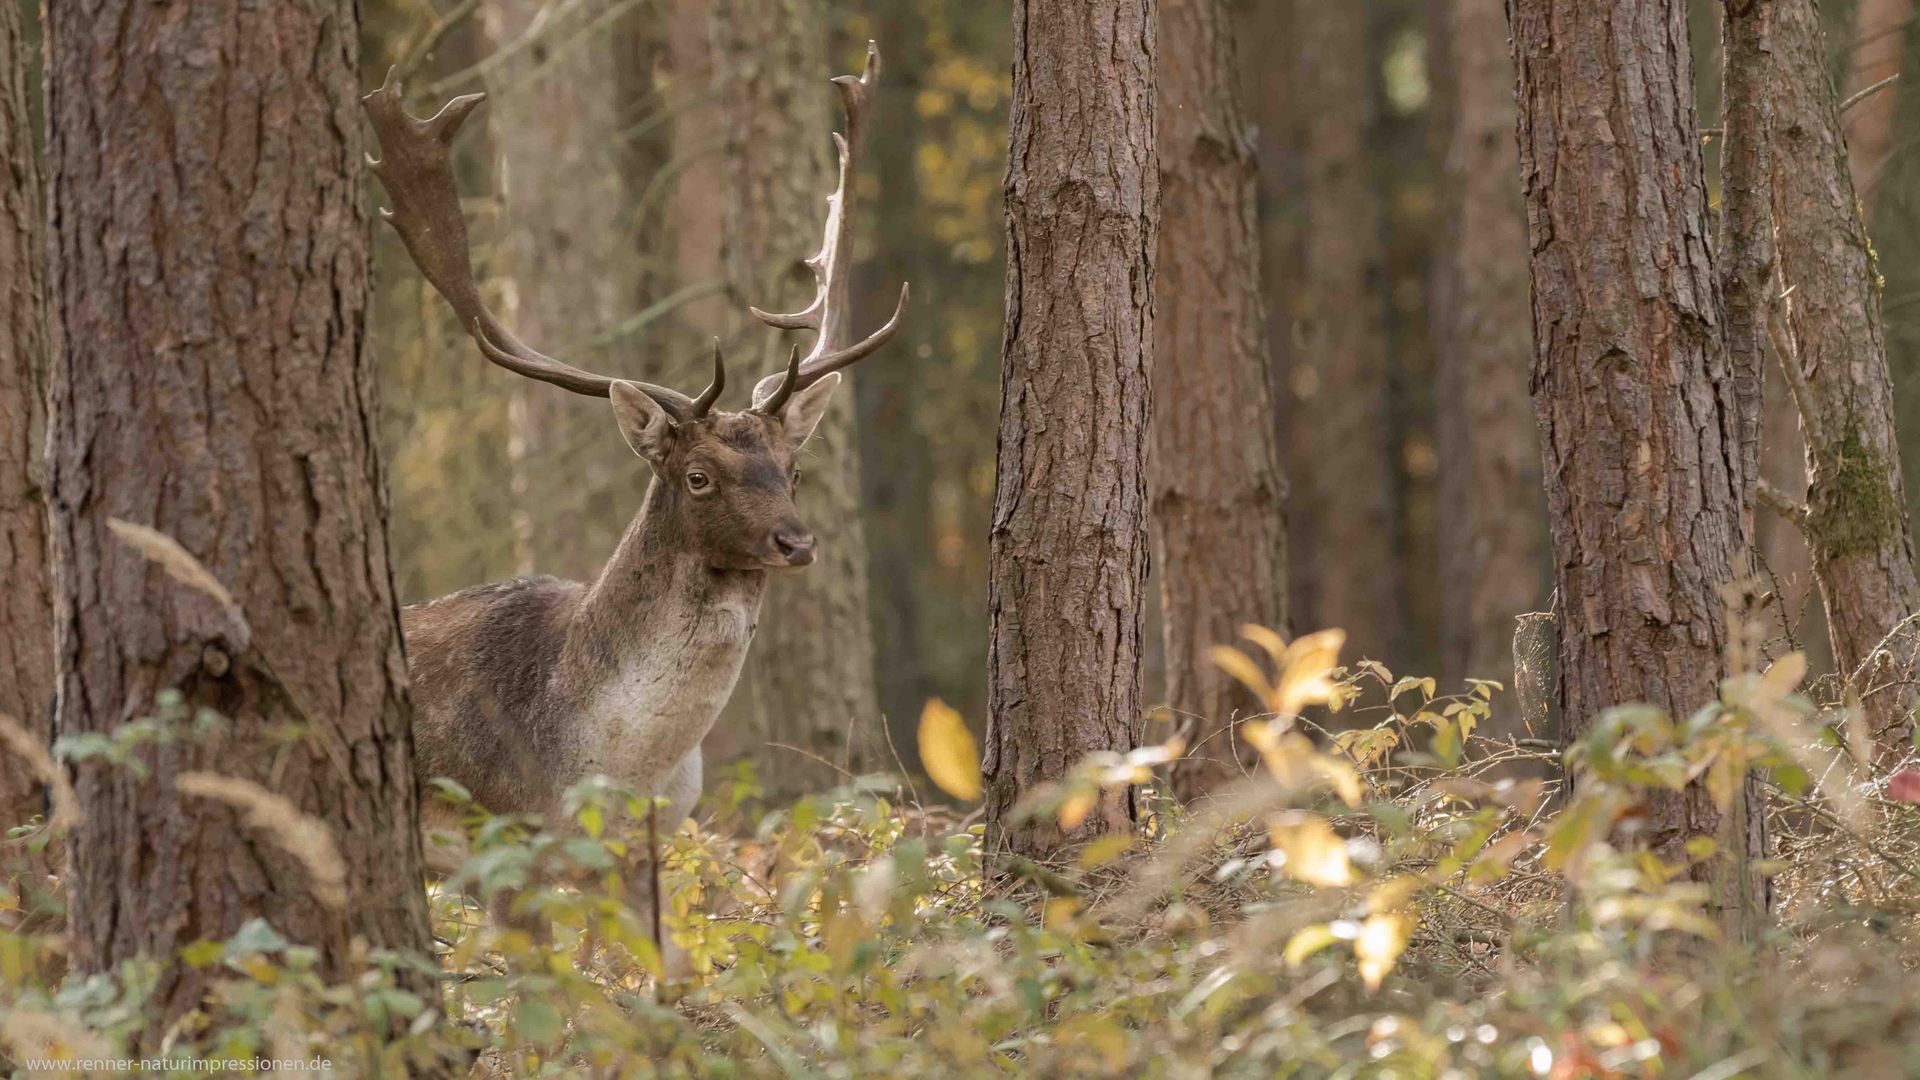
x: 657, y: 705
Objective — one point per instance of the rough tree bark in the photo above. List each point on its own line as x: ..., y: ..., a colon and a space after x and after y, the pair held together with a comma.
x: 1856, y: 521
x: 208, y: 278
x: 1218, y: 494
x: 809, y: 680
x: 1346, y: 560
x: 26, y: 597
x: 1069, y: 543
x: 1493, y: 535
x: 564, y: 191
x: 1880, y: 33
x: 1643, y: 420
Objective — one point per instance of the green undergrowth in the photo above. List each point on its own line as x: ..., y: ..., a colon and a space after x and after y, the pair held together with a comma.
x: 1391, y: 891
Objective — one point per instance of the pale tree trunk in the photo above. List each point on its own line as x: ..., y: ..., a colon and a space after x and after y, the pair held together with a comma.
x: 574, y: 274
x: 807, y: 691
x: 1493, y: 533
x: 1856, y: 521
x: 208, y: 288
x: 26, y: 597
x: 1880, y: 34
x: 1346, y: 558
x: 1218, y: 495
x: 1069, y: 542
x: 1644, y: 426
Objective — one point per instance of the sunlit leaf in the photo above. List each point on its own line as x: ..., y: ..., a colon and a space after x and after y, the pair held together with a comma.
x: 1307, y: 941
x: 1075, y: 808
x: 1313, y: 852
x: 1104, y: 850
x: 1381, y: 941
x: 948, y: 752
x: 1242, y: 668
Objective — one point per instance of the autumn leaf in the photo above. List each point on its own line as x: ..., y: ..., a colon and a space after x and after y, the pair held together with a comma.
x: 948, y: 752
x: 1076, y: 807
x: 1313, y: 852
x: 1381, y: 940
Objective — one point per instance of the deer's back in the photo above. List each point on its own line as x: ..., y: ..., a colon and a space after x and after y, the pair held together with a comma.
x: 483, y: 663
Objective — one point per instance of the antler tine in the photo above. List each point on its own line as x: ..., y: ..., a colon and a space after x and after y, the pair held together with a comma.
x: 704, y: 403
x: 418, y: 174
x: 789, y: 380
x: 828, y: 315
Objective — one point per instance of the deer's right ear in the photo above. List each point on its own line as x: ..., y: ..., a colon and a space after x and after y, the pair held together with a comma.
x: 645, y: 425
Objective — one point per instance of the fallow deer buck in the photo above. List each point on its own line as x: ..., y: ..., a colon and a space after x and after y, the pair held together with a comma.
x: 524, y: 687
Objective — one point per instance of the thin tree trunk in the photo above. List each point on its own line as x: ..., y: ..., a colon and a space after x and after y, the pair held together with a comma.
x: 1493, y: 535
x: 1218, y: 494
x: 1880, y: 34
x: 808, y: 682
x: 26, y: 596
x: 1346, y: 557
x: 1857, y: 524
x: 575, y: 274
x: 208, y: 293
x: 1643, y: 422
x: 1069, y: 558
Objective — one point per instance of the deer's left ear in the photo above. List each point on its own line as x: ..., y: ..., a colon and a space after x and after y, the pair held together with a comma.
x: 805, y: 409
x: 647, y: 427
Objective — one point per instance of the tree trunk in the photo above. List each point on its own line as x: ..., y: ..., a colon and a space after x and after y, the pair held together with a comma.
x: 1346, y: 557
x: 1857, y: 524
x: 808, y: 682
x: 1642, y: 421
x: 208, y: 292
x: 26, y: 597
x: 575, y: 274
x: 1069, y: 558
x: 1493, y: 535
x: 1219, y: 518
x: 1880, y: 30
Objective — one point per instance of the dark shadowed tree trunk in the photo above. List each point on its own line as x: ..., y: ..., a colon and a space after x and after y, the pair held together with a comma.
x: 1856, y: 521
x: 1880, y: 33
x: 808, y: 683
x: 26, y: 598
x: 1493, y: 534
x: 1218, y: 513
x: 1346, y: 558
x: 1643, y: 422
x: 1069, y: 559
x: 208, y: 287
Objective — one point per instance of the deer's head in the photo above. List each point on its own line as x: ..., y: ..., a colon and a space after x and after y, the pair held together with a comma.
x: 727, y: 478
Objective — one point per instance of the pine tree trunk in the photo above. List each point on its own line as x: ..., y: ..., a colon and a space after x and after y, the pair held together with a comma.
x: 1857, y: 523
x: 809, y: 680
x: 1881, y: 30
x: 26, y: 597
x: 1492, y: 535
x: 208, y: 288
x: 1218, y: 494
x: 1642, y: 422
x: 575, y: 274
x: 1346, y: 556
x: 1069, y: 543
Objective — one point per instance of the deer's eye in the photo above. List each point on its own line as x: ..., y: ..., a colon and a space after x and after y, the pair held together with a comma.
x: 796, y: 476
x: 698, y: 481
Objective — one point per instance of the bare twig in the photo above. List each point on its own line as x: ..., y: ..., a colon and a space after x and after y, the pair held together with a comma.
x: 1777, y: 500
x: 1788, y: 353
x: 1866, y: 92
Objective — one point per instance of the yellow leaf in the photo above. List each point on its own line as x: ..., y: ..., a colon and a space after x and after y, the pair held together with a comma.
x: 1060, y: 911
x: 1784, y: 676
x: 1074, y: 811
x: 1104, y: 850
x: 1307, y: 941
x: 1314, y: 853
x: 1274, y: 645
x: 1304, y: 678
x: 1393, y: 894
x: 1381, y: 940
x: 1241, y: 667
x: 948, y: 752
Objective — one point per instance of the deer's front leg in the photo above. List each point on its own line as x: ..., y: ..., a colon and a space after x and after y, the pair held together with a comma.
x: 678, y: 793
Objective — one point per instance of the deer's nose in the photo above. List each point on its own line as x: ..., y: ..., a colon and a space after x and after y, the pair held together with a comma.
x: 796, y: 545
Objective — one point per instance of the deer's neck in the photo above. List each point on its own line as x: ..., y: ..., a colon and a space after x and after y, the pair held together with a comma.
x: 655, y: 650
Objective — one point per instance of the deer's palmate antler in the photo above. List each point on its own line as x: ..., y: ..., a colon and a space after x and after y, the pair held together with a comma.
x: 417, y: 172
